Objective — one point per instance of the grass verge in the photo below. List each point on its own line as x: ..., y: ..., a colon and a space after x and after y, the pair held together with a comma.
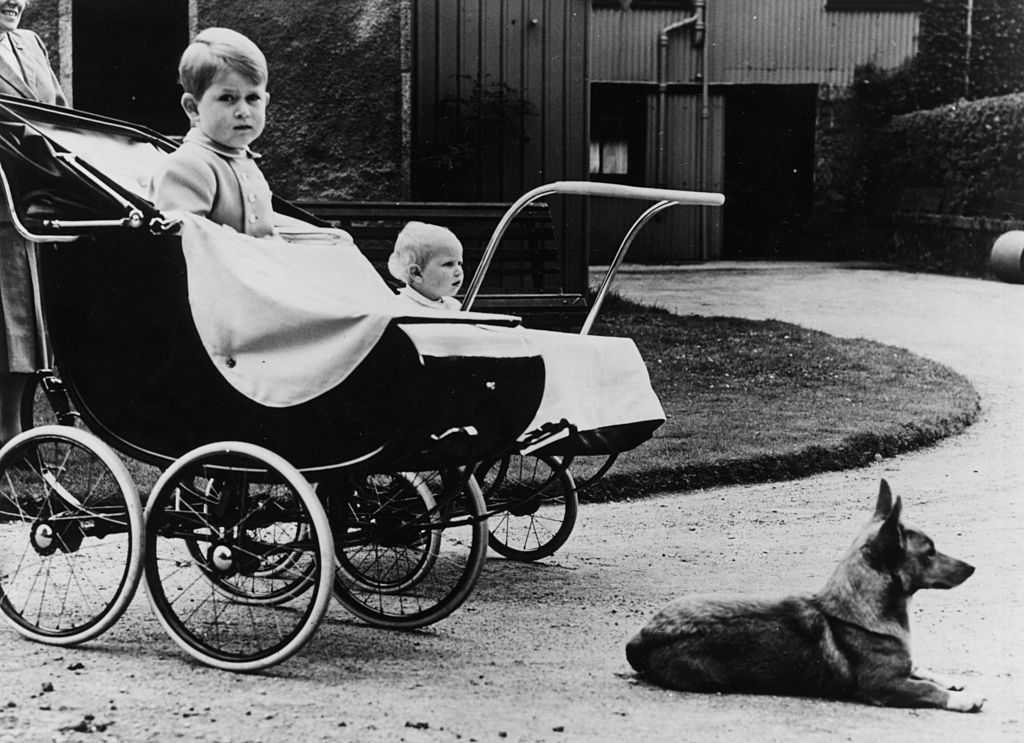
x: 755, y: 401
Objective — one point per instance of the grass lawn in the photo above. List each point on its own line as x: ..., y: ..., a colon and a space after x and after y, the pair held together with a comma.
x: 751, y: 401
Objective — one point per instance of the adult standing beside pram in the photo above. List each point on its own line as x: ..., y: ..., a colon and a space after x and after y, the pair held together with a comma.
x: 24, y: 72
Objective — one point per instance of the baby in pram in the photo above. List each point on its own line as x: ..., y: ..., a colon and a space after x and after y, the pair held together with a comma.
x: 428, y: 259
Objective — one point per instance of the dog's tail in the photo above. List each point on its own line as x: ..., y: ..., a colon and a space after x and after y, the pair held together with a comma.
x: 636, y: 653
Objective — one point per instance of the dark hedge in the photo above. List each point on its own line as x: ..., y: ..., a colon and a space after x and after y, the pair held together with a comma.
x: 971, y: 149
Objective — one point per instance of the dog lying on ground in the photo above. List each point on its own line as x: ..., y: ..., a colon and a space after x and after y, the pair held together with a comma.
x: 849, y: 641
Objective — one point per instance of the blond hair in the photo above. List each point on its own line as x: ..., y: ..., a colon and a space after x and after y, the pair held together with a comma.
x: 415, y: 244
x: 217, y: 49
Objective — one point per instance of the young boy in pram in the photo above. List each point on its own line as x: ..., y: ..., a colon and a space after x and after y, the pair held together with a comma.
x: 214, y: 173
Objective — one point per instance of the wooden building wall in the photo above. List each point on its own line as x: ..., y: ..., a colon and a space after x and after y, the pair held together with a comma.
x: 784, y: 42
x: 750, y: 44
x: 673, y: 236
x: 538, y: 49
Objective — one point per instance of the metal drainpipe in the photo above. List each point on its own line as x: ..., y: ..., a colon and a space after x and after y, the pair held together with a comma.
x: 699, y: 22
x: 700, y: 40
x: 659, y: 148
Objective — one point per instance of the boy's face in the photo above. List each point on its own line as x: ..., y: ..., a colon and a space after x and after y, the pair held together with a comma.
x: 441, y: 275
x: 231, y: 112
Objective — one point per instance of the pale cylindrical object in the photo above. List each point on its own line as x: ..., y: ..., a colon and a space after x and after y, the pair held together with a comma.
x: 1007, y: 258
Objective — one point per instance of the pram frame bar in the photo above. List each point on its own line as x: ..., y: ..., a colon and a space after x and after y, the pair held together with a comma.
x: 133, y: 217
x: 20, y: 226
x: 666, y: 197
x: 620, y: 256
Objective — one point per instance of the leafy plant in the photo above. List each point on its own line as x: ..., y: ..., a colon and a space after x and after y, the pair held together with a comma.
x: 952, y: 63
x: 482, y: 132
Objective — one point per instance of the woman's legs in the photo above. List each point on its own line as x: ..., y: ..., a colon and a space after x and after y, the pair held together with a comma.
x: 12, y: 388
x: 19, y: 335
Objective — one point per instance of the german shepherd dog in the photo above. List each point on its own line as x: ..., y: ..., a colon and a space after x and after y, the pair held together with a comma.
x: 849, y: 641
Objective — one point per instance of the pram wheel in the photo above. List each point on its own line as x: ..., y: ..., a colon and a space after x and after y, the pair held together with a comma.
x: 410, y: 545
x: 71, y: 535
x: 401, y: 503
x: 239, y: 556
x: 536, y: 503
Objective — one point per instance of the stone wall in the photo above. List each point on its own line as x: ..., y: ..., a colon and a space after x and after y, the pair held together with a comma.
x: 335, y: 128
x: 334, y: 125
x: 43, y: 17
x: 947, y: 243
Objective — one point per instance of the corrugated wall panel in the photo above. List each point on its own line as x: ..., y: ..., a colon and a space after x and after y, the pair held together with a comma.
x: 624, y: 45
x: 752, y: 41
x: 537, y: 47
x: 674, y: 235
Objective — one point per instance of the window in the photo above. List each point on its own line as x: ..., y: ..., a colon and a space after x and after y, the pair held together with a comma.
x: 875, y: 5
x: 618, y: 122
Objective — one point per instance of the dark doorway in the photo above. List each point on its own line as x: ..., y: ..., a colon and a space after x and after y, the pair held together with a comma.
x: 769, y: 169
x: 125, y: 59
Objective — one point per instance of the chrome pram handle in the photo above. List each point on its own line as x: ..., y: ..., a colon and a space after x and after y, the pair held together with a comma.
x: 664, y: 197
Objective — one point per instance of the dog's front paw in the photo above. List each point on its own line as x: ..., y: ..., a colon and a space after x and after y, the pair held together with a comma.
x: 962, y: 701
x: 944, y: 681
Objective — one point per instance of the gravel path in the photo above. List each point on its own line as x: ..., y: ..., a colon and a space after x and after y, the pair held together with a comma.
x: 536, y: 654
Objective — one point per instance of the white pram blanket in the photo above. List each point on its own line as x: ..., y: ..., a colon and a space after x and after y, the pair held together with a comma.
x: 287, y: 319
x: 590, y: 381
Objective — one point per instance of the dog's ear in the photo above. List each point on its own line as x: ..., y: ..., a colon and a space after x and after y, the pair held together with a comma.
x: 892, y: 520
x: 884, y: 504
x: 887, y: 546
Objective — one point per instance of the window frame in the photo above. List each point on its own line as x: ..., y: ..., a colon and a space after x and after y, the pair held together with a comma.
x: 874, y: 6
x: 619, y: 113
x: 644, y: 4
